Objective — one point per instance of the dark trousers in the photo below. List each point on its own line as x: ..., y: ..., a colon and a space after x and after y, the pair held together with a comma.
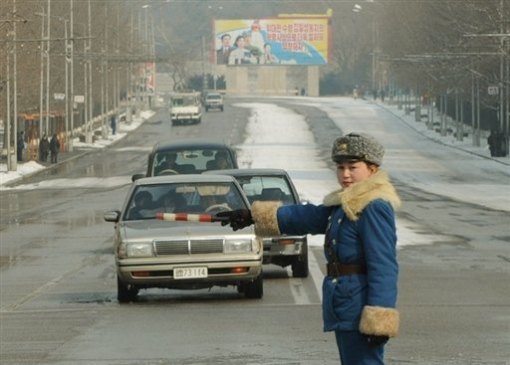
x: 54, y: 157
x: 354, y: 349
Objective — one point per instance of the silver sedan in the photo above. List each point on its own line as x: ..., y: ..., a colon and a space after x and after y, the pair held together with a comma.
x: 152, y: 252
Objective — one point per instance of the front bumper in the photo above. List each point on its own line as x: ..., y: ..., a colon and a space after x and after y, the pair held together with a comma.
x: 186, y: 117
x: 161, y: 274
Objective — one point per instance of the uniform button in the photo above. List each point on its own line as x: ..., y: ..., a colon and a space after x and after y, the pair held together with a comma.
x: 334, y: 240
x: 339, y: 220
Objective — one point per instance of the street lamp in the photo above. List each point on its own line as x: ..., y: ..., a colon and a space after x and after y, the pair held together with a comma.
x: 358, y: 9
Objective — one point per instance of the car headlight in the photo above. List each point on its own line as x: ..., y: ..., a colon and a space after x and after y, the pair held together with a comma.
x: 140, y: 249
x: 237, y: 245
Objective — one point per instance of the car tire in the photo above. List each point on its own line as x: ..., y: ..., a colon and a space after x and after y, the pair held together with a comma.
x: 125, y: 292
x: 255, y: 288
x: 221, y: 108
x: 300, y: 263
x: 206, y: 109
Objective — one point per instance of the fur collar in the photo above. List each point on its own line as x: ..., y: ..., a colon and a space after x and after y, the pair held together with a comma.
x: 356, y: 197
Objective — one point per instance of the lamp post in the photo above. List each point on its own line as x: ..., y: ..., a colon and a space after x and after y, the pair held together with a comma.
x: 358, y: 9
x: 71, y: 69
x: 11, y: 160
x: 68, y: 59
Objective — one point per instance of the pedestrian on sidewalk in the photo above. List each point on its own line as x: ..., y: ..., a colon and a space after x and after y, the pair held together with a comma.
x: 113, y: 124
x: 382, y: 93
x: 54, y: 148
x: 358, y: 220
x: 20, y: 145
x: 44, y: 148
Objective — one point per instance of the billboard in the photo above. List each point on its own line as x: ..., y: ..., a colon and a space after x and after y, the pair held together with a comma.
x: 272, y: 41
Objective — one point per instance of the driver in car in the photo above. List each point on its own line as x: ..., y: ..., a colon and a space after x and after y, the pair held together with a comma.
x: 214, y: 203
x: 168, y: 165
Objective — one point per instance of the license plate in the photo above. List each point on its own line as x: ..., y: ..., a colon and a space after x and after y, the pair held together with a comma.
x: 190, y: 272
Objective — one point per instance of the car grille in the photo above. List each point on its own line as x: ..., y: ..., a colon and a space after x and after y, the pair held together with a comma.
x: 185, y: 247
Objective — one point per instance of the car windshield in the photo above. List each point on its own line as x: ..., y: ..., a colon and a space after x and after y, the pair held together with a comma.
x: 197, y: 198
x: 184, y: 101
x: 214, y: 97
x: 190, y: 161
x: 267, y: 188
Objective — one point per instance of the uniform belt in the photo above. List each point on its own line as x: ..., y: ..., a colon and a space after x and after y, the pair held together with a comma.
x: 336, y: 269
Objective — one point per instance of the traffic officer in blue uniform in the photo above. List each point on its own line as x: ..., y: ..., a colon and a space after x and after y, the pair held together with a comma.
x: 358, y: 220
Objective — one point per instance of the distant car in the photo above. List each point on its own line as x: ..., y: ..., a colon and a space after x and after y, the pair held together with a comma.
x: 274, y: 184
x: 185, y: 108
x: 188, y: 157
x: 152, y: 253
x: 213, y: 101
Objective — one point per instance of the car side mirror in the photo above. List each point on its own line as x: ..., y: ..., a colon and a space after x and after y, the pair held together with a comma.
x: 112, y: 216
x: 136, y: 177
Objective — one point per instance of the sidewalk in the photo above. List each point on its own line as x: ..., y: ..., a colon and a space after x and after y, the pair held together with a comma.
x: 28, y: 168
x: 465, y: 145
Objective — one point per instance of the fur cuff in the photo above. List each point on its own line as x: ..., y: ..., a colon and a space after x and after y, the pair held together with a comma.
x: 264, y: 216
x: 379, y: 321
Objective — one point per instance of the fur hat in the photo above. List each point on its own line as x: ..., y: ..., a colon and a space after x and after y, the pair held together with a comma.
x: 357, y: 147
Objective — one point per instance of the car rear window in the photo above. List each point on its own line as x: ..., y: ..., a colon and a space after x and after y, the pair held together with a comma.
x: 267, y: 188
x: 189, y: 161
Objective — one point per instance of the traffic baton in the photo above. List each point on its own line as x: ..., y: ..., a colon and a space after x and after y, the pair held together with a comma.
x: 185, y: 217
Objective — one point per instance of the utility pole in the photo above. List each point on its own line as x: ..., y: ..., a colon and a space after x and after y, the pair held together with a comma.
x: 104, y: 76
x: 15, y: 86
x: 11, y: 162
x: 501, y: 74
x: 91, y: 98
x: 204, y: 76
x: 41, y: 86
x: 71, y: 66
x: 87, y: 81
x: 66, y: 60
x: 48, y: 24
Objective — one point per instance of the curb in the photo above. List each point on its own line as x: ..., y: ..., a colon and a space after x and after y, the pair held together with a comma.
x: 64, y: 160
x: 382, y: 106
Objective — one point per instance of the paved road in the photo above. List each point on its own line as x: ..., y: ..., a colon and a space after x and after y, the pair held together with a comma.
x: 57, y: 302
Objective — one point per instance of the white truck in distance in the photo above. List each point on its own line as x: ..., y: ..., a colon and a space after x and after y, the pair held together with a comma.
x: 185, y: 108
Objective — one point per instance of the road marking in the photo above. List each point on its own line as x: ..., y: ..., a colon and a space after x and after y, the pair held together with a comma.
x: 41, y: 289
x: 296, y: 285
x: 316, y: 273
x: 297, y: 289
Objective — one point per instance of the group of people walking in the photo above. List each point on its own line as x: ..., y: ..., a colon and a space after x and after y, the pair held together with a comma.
x: 49, y: 147
x: 46, y: 147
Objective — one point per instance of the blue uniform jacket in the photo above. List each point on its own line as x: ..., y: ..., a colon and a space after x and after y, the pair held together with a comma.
x: 360, y: 224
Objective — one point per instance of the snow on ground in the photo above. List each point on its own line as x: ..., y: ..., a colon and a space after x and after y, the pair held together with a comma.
x: 27, y: 168
x: 278, y: 137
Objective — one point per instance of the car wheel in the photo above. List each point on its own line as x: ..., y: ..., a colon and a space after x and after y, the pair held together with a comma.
x: 125, y: 293
x: 300, y: 263
x: 206, y: 109
x: 221, y: 108
x: 255, y: 288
